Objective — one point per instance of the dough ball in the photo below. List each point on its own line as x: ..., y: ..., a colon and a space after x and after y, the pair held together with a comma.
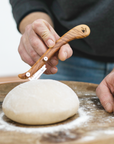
x: 40, y: 102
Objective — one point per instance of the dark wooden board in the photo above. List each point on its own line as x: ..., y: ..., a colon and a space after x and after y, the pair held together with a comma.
x: 91, y: 125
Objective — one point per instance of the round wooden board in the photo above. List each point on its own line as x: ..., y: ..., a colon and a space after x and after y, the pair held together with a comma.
x: 91, y: 125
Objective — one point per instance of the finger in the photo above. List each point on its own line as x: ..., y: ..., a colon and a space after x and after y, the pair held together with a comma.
x: 51, y: 65
x: 41, y: 49
x: 50, y: 69
x: 24, y: 55
x: 28, y: 48
x: 65, y: 52
x: 105, y: 96
x: 44, y: 30
x: 33, y: 45
x: 36, y: 43
x: 53, y: 61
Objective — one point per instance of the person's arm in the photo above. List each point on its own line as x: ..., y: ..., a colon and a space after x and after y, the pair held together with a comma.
x: 29, y: 19
x: 30, y: 9
x: 34, y: 21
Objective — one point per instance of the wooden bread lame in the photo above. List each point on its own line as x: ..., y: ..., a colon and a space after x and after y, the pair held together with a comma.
x: 78, y: 32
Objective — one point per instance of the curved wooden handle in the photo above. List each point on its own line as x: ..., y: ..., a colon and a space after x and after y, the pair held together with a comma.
x: 78, y: 32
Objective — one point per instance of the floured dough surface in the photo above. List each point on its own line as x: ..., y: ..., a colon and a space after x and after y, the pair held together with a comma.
x: 40, y: 102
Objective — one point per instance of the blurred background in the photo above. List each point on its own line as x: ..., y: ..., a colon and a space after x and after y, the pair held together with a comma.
x: 10, y: 61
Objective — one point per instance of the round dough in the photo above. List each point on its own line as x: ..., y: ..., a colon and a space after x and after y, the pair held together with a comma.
x: 40, y: 102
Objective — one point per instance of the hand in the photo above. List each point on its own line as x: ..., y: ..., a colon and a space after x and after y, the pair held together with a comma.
x: 35, y: 41
x: 105, y: 92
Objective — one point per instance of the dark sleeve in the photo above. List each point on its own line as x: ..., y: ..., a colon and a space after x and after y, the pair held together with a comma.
x: 21, y: 8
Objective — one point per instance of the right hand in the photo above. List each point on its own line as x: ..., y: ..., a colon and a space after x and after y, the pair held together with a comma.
x: 35, y: 41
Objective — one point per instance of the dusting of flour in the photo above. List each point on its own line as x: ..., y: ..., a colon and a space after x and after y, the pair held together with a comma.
x: 82, y: 119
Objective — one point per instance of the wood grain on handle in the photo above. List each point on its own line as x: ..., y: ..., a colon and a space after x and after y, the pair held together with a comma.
x: 78, y: 32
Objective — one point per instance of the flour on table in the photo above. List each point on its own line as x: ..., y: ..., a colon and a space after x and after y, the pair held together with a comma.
x: 82, y: 119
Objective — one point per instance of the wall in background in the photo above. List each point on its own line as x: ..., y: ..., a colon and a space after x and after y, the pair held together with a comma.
x: 10, y: 61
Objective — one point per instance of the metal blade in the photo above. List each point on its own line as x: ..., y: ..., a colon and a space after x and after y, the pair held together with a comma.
x: 38, y: 73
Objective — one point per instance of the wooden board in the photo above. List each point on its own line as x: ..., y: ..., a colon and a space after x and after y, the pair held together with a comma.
x: 91, y: 125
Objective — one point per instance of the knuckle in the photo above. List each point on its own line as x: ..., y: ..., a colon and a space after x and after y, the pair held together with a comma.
x: 30, y: 62
x: 28, y: 27
x: 37, y: 23
x: 23, y: 59
x: 23, y: 39
x: 44, y: 31
x: 34, y: 42
x: 20, y: 50
x: 33, y: 54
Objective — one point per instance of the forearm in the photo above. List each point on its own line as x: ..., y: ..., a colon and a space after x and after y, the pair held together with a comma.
x: 32, y: 17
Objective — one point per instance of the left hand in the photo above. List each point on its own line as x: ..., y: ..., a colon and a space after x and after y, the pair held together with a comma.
x: 105, y: 92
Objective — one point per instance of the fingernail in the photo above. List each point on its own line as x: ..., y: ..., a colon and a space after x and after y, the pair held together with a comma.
x: 50, y: 43
x: 53, y: 70
x: 108, y: 107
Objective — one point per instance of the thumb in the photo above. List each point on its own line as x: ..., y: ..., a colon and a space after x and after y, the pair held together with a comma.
x: 44, y: 30
x: 65, y: 52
